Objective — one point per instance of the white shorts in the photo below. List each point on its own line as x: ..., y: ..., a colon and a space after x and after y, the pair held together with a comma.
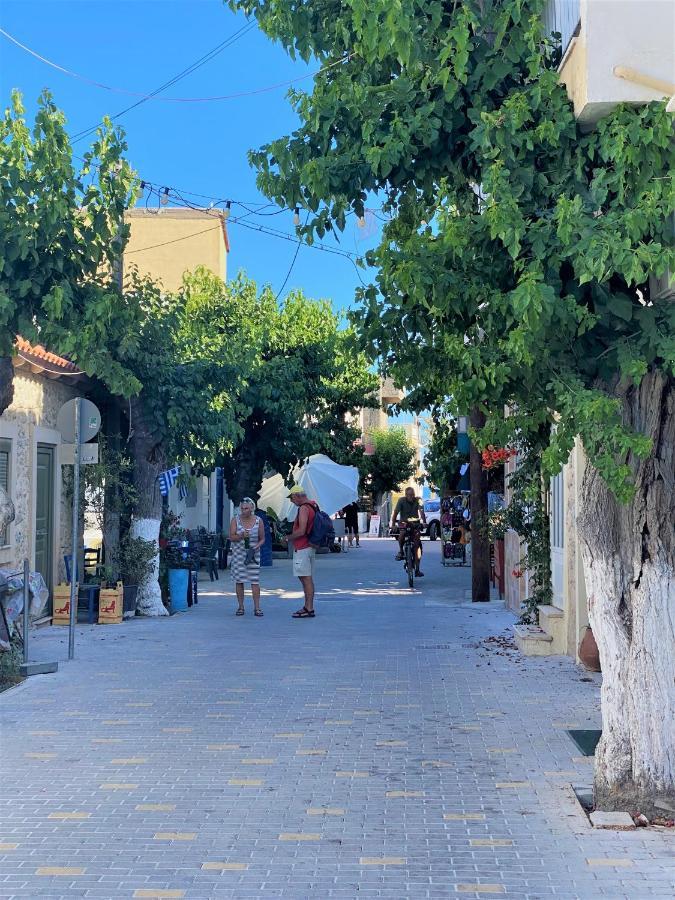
x: 303, y: 562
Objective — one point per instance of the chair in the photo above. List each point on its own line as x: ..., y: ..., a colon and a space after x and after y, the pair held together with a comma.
x: 340, y: 529
x: 89, y: 591
x: 208, y: 555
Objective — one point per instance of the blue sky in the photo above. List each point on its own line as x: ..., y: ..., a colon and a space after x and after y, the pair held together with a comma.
x: 201, y: 147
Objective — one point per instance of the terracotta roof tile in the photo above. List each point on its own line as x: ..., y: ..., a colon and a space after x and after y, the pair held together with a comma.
x: 38, y: 353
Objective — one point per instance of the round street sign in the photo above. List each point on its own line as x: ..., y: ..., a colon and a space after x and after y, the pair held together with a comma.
x: 90, y: 423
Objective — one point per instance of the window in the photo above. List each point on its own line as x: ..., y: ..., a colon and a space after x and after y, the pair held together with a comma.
x: 5, y: 461
x: 557, y: 508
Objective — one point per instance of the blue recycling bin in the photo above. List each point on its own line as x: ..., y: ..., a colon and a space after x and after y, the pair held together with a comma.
x: 178, y: 588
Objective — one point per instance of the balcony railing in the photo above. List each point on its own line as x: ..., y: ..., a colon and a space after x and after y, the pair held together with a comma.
x: 563, y: 16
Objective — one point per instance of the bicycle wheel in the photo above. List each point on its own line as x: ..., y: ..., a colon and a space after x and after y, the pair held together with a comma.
x: 410, y: 565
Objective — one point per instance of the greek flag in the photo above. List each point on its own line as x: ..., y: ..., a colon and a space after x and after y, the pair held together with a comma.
x: 167, y: 479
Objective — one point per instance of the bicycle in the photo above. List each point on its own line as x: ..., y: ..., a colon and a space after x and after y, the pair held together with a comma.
x: 410, y: 547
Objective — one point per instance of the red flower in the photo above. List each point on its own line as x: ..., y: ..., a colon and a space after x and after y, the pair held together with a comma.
x: 517, y: 573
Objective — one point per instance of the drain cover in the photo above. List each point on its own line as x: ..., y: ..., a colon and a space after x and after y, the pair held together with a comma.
x: 585, y: 739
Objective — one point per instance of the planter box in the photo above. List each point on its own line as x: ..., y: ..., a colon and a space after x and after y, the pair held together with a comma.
x: 129, y: 600
x: 110, y: 605
x: 61, y: 604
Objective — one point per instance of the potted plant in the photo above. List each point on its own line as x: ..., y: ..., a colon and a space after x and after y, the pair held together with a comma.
x: 135, y: 558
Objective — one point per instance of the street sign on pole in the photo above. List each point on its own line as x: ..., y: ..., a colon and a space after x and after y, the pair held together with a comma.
x: 88, y: 454
x: 77, y: 437
x: 90, y: 420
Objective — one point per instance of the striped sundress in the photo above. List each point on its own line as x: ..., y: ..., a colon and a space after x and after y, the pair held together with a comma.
x: 241, y: 573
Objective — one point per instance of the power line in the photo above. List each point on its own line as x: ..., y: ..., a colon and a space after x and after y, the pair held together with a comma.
x: 202, y: 61
x: 292, y: 265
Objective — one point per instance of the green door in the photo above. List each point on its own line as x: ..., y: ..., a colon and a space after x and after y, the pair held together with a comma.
x: 44, y: 514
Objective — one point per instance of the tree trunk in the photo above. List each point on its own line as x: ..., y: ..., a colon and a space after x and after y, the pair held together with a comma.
x: 111, y: 506
x: 480, y: 543
x: 629, y: 563
x: 148, y: 461
x: 7, y: 512
x: 244, y: 479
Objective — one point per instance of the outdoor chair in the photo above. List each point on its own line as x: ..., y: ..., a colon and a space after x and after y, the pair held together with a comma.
x: 90, y: 592
x: 208, y: 555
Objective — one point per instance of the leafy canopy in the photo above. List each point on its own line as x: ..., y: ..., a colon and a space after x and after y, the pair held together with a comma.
x: 529, y: 287
x: 61, y: 230
x: 391, y: 463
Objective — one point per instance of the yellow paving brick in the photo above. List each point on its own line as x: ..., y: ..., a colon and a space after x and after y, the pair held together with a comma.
x: 618, y: 862
x: 218, y: 716
x: 406, y: 706
x: 175, y: 836
x: 128, y: 760
x: 436, y: 764
x: 107, y: 740
x: 383, y: 861
x: 245, y: 782
x: 391, y: 743
x: 140, y: 704
x: 491, y: 842
x: 228, y: 702
x: 290, y: 734
x: 259, y: 761
x: 117, y: 786
x: 69, y: 815
x: 116, y: 722
x: 40, y: 755
x: 464, y: 817
x: 222, y: 746
x: 60, y: 870
x: 43, y: 733
x: 224, y: 867
x: 502, y: 750
x: 366, y: 712
x: 299, y: 836
x: 155, y: 807
x: 311, y: 752
x: 5, y: 847
x: 352, y: 774
x: 158, y: 894
x: 326, y: 811
x: 339, y: 722
x: 238, y: 690
x: 481, y: 888
x: 181, y: 730
x: 512, y: 784
x: 397, y: 795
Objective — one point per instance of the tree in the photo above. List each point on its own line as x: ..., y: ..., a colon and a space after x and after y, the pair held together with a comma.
x: 443, y: 460
x: 294, y: 377
x: 61, y: 229
x: 529, y: 288
x: 391, y: 463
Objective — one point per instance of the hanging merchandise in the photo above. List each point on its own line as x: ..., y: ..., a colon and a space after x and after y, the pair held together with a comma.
x: 455, y: 532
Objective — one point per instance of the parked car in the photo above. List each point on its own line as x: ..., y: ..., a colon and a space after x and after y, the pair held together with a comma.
x: 432, y: 511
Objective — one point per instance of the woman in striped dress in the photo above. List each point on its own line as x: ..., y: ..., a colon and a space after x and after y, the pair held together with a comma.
x: 247, y: 534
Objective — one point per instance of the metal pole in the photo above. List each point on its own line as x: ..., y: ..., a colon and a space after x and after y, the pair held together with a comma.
x: 26, y: 609
x: 76, y: 528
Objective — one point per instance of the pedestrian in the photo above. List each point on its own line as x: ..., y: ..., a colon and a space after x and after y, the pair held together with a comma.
x: 303, y: 552
x: 409, y: 507
x: 247, y: 534
x: 351, y: 514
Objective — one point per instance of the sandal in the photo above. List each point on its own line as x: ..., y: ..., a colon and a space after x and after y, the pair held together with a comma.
x: 303, y: 613
x: 240, y: 612
x: 258, y: 612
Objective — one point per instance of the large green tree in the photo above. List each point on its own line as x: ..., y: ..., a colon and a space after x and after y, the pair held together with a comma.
x: 61, y: 230
x: 529, y: 287
x: 391, y: 462
x: 293, y: 377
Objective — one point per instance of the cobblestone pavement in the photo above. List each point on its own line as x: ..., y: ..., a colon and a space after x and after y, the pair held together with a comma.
x: 379, y: 750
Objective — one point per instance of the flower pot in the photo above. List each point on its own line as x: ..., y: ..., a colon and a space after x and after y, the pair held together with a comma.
x: 129, y: 600
x: 178, y: 587
x: 588, y: 651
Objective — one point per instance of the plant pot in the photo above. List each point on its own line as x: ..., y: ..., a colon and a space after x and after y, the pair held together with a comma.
x: 588, y: 651
x: 178, y: 588
x: 130, y: 599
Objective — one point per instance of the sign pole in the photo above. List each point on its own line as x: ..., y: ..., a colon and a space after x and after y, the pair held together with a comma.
x: 76, y: 524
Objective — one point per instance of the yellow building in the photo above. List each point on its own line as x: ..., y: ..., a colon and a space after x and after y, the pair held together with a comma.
x: 166, y: 242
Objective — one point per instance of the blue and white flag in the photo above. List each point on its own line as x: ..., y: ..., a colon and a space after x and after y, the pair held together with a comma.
x: 167, y: 480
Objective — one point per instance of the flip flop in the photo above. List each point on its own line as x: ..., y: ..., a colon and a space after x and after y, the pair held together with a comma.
x: 303, y: 613
x: 240, y: 612
x: 258, y: 612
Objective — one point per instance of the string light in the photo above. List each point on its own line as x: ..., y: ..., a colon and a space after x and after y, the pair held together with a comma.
x: 164, y: 199
x: 296, y: 216
x: 227, y: 210
x: 361, y: 221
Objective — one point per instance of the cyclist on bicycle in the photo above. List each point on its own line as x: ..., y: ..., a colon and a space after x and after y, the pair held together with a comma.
x: 409, y: 507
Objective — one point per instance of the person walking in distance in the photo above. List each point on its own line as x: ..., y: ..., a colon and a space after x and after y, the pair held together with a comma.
x: 303, y: 552
x: 352, y: 522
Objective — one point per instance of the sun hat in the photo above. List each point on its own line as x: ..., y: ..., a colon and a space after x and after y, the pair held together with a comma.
x: 296, y: 489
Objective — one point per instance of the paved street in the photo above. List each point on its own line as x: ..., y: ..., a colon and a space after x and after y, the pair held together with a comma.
x: 380, y: 750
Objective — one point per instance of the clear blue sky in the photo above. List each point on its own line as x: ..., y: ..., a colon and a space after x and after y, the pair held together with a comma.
x: 138, y: 44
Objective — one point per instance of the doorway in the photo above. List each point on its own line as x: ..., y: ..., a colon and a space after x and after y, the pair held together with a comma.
x: 44, y: 515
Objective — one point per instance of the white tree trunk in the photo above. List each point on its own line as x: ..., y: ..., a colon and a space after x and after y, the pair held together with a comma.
x: 629, y: 562
x: 149, y: 594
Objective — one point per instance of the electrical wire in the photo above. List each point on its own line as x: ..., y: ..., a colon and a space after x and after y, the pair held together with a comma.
x: 153, y: 95
x: 202, y: 61
x: 292, y: 265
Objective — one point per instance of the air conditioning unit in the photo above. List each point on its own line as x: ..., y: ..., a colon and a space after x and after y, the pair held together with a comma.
x: 663, y: 286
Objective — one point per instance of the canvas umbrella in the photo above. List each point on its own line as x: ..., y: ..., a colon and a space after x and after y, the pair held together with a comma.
x: 332, y: 486
x: 273, y: 495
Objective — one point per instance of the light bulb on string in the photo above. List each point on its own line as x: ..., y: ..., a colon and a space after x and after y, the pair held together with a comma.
x: 361, y: 221
x: 296, y: 216
x: 164, y: 199
x: 227, y: 210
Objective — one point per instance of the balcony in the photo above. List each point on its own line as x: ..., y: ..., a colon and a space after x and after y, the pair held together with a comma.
x: 613, y: 51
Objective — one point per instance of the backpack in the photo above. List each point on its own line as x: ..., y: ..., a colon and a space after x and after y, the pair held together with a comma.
x: 322, y: 533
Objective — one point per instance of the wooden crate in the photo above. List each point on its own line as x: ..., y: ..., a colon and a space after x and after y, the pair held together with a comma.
x: 61, y: 604
x: 111, y: 605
